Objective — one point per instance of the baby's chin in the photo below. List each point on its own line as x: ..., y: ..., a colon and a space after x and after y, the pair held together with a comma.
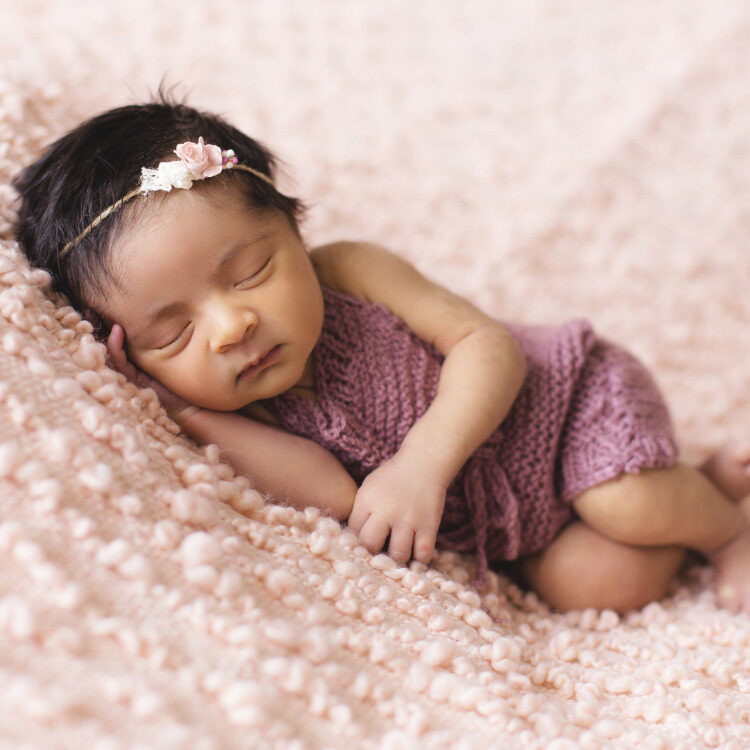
x: 225, y: 405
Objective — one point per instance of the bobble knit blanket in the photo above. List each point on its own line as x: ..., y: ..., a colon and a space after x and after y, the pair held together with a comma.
x: 547, y: 160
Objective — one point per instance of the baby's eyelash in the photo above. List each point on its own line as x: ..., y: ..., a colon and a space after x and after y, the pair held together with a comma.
x: 173, y: 341
x: 255, y: 273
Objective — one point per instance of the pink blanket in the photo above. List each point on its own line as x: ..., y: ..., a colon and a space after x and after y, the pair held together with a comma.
x: 548, y: 160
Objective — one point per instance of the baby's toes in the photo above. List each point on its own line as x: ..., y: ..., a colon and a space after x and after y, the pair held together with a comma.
x: 739, y: 451
x: 730, y: 597
x: 732, y: 563
x: 729, y: 468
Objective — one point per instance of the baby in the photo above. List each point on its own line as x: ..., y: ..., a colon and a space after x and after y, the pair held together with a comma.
x: 341, y: 377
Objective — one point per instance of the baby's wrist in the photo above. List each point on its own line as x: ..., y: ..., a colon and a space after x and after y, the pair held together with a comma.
x: 424, y: 458
x: 182, y: 414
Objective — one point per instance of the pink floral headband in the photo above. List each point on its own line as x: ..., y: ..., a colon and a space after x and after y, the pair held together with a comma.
x: 197, y: 161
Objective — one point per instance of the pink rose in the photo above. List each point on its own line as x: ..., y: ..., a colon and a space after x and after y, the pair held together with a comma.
x: 201, y: 159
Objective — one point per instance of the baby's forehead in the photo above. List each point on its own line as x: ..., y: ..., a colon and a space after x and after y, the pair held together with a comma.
x: 156, y: 211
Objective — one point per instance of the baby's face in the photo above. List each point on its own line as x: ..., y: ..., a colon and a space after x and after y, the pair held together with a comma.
x: 235, y: 287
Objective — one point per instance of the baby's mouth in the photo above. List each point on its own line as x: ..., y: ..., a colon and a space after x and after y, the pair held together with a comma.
x: 266, y: 359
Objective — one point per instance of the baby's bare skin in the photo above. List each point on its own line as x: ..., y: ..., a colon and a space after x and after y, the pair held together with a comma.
x: 729, y: 469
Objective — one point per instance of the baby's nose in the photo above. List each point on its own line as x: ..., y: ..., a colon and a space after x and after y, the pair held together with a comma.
x: 230, y: 327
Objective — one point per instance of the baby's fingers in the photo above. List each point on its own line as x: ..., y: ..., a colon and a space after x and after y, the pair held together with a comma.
x: 359, y: 515
x: 424, y: 545
x: 373, y: 534
x: 115, y: 348
x: 401, y: 540
x: 115, y: 342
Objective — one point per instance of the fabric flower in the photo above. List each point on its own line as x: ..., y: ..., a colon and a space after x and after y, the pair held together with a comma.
x: 169, y: 174
x: 201, y: 159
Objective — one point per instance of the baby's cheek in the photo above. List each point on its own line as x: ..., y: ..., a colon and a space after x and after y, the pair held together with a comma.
x: 201, y: 388
x: 184, y: 382
x: 139, y: 359
x: 169, y: 377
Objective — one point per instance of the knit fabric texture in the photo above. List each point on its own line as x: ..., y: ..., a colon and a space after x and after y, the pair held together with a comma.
x: 375, y: 378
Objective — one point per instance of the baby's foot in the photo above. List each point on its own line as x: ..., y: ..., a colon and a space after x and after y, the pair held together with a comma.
x: 729, y: 468
x: 732, y: 562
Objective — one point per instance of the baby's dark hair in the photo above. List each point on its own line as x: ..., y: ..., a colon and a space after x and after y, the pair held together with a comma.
x: 93, y: 166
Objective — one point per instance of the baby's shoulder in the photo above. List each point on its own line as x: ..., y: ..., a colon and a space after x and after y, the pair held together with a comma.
x: 324, y: 261
x: 354, y: 268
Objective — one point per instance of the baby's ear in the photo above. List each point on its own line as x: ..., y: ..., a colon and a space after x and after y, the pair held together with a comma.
x: 101, y: 328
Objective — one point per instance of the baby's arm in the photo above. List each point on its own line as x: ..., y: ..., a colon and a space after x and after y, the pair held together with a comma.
x: 481, y: 376
x: 291, y: 468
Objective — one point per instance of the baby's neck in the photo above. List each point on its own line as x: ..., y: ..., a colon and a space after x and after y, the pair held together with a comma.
x: 306, y: 384
x: 304, y: 390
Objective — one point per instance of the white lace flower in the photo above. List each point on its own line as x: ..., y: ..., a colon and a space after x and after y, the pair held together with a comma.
x: 169, y: 174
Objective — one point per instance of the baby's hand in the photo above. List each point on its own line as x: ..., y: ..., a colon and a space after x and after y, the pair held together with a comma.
x: 174, y: 404
x: 398, y: 499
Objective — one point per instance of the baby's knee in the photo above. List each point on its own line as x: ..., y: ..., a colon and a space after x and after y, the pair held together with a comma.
x: 582, y: 569
x: 616, y: 588
x: 643, y: 577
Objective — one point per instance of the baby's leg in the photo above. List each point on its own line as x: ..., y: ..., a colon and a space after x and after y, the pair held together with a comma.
x: 676, y: 506
x: 582, y: 568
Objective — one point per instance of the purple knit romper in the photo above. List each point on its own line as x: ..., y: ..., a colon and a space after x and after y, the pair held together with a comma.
x: 587, y: 412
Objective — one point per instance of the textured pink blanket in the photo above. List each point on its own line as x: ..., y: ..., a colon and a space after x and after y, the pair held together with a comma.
x: 548, y: 160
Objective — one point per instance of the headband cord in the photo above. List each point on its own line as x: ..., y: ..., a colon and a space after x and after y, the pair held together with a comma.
x: 197, y: 161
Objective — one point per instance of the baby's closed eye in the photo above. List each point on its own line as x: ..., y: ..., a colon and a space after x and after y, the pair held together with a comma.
x: 170, y: 340
x: 253, y: 276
